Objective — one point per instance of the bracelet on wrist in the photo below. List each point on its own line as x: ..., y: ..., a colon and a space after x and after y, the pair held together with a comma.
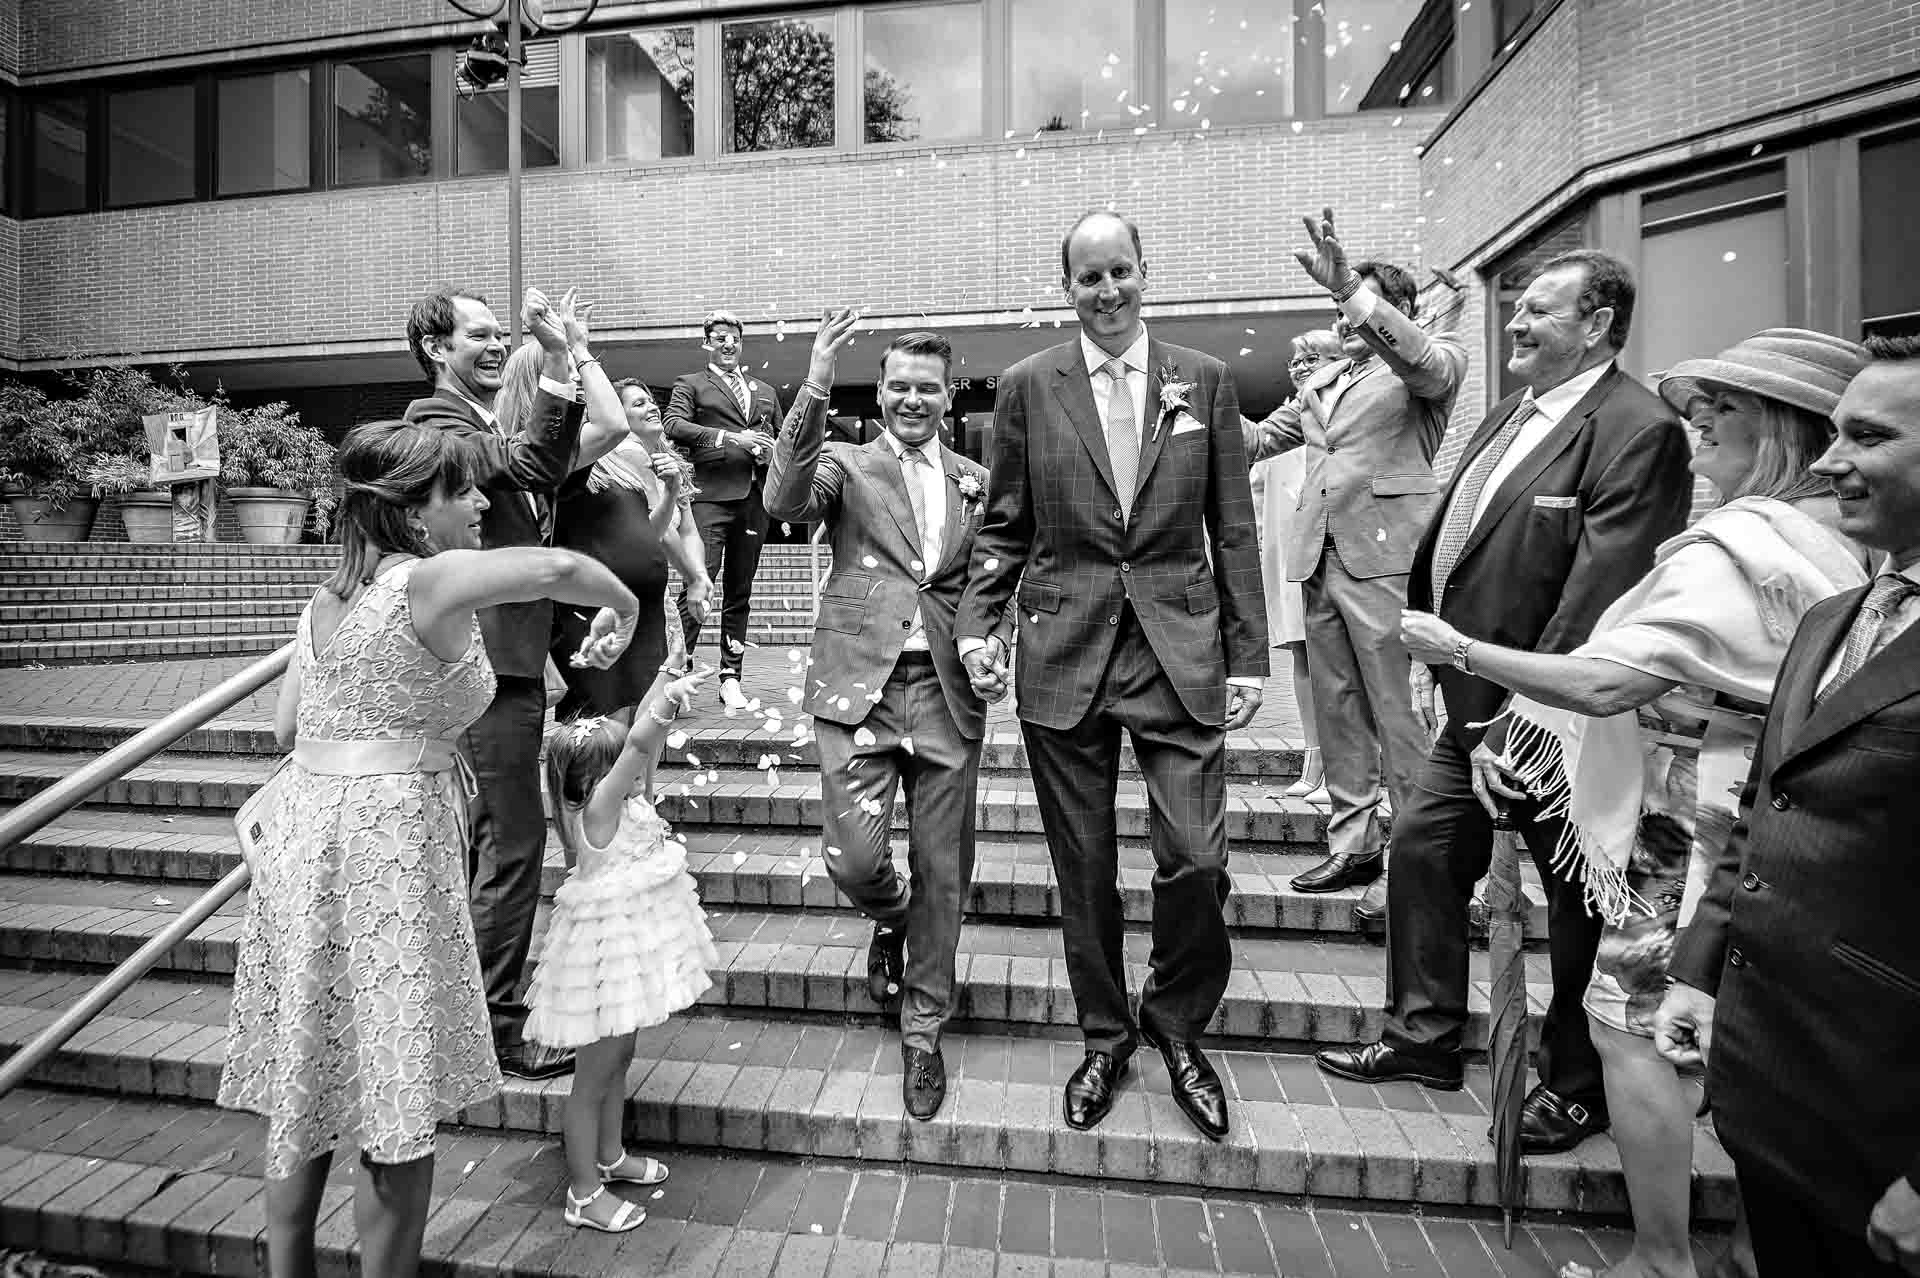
x: 653, y: 713
x: 582, y: 363
x: 1460, y: 655
x: 1348, y: 289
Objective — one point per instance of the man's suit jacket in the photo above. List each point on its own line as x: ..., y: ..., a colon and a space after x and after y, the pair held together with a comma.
x: 866, y: 606
x: 1564, y: 535
x: 1188, y: 560
x: 1807, y: 933
x: 1369, y: 473
x: 699, y: 410
x: 509, y: 469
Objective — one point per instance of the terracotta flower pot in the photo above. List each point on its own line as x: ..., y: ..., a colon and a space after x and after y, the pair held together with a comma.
x: 40, y: 521
x: 269, y: 516
x: 148, y: 516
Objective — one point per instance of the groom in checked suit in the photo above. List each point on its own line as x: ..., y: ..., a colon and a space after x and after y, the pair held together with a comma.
x: 1555, y: 508
x: 1799, y: 976
x: 891, y: 703
x: 725, y: 419
x: 1119, y: 506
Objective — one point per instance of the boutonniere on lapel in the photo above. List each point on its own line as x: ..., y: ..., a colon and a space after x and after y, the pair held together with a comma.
x: 971, y: 492
x: 1173, y: 396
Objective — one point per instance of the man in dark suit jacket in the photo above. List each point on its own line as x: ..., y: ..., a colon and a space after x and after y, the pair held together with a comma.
x: 1555, y: 508
x: 1119, y: 504
x: 463, y: 348
x: 886, y: 690
x: 1798, y: 978
x: 726, y: 420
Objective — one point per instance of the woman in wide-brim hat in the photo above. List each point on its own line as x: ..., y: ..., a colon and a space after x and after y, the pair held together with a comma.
x: 1641, y: 736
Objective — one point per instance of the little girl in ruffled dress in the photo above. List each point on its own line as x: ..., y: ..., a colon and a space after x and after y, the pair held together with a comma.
x: 627, y: 946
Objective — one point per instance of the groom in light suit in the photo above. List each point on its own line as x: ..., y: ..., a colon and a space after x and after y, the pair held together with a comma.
x: 1119, y: 505
x: 891, y: 704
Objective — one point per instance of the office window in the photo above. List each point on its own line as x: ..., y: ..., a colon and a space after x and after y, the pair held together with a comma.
x: 6, y: 152
x: 480, y: 116
x: 1508, y: 17
x: 57, y: 155
x: 1228, y: 61
x: 263, y: 127
x: 1072, y: 66
x: 1713, y: 266
x: 640, y: 95
x: 383, y: 120
x: 150, y: 145
x: 1889, y: 233
x: 1361, y: 35
x: 923, y: 79
x: 778, y: 81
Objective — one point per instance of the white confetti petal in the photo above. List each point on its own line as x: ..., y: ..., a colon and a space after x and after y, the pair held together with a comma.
x: 991, y: 564
x: 906, y: 743
x: 871, y: 562
x: 676, y: 739
x: 795, y: 695
x: 864, y: 737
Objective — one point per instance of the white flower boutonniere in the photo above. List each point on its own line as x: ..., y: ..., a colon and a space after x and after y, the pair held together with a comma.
x: 970, y: 487
x: 1173, y: 395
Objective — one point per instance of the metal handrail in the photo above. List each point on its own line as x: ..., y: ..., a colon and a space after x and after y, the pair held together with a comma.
x: 64, y: 796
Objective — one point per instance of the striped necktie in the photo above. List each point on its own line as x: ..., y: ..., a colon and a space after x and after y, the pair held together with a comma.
x: 1889, y: 591
x: 1466, y: 498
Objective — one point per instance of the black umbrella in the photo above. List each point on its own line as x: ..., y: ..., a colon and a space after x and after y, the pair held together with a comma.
x: 1507, y: 1040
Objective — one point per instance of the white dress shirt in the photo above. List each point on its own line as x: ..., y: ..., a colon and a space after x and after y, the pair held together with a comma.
x: 931, y: 480
x: 1906, y: 614
x: 1549, y: 408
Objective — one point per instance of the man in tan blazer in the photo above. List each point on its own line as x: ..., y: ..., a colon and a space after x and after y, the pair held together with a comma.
x: 1370, y: 423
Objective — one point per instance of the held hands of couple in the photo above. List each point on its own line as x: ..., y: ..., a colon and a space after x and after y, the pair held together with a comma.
x: 606, y: 639
x: 986, y: 669
x: 551, y: 324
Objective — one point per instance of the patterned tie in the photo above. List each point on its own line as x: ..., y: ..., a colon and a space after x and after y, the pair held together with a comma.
x: 911, y: 460
x: 741, y: 395
x: 1889, y: 591
x: 1466, y: 498
x: 1123, y: 435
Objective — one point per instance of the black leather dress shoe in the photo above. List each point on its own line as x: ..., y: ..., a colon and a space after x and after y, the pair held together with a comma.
x: 886, y: 963
x: 1378, y: 1063
x: 535, y: 1061
x: 1549, y: 1124
x: 1370, y: 911
x: 1340, y: 871
x: 924, y: 1084
x: 1090, y: 1091
x: 1196, y: 1088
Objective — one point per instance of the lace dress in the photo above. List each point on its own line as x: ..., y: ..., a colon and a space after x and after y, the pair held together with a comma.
x: 628, y: 944
x: 358, y: 1018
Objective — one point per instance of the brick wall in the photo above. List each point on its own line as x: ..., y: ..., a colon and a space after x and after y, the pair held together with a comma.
x: 9, y: 285
x: 948, y: 229
x: 60, y: 35
x: 10, y: 37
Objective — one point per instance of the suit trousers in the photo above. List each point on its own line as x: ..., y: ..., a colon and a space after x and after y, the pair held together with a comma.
x: 1076, y: 774
x: 732, y: 533
x: 916, y: 747
x: 509, y: 841
x: 1790, y: 1240
x: 1361, y: 702
x: 1442, y: 846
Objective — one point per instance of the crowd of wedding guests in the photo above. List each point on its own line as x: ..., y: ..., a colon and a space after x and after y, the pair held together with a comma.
x: 1706, y: 734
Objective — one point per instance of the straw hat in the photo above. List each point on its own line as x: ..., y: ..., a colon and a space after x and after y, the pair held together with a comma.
x: 1794, y: 365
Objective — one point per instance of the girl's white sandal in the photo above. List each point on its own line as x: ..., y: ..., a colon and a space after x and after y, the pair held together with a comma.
x: 629, y: 1216
x: 654, y: 1172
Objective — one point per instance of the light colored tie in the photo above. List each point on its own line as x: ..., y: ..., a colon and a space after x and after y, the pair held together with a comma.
x: 1889, y: 591
x: 912, y: 460
x: 1466, y: 498
x: 742, y: 395
x: 1123, y: 435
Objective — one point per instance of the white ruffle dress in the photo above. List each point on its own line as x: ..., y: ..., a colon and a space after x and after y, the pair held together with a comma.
x: 628, y: 944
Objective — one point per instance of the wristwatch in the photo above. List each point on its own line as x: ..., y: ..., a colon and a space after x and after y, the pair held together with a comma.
x: 1459, y: 658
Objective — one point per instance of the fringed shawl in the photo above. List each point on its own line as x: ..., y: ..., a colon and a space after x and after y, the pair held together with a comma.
x: 1717, y: 611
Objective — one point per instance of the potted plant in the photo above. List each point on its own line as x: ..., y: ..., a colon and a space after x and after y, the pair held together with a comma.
x: 146, y: 511
x: 273, y: 469
x: 46, y: 448
x: 119, y: 398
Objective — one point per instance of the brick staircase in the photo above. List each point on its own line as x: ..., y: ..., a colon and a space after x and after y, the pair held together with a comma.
x: 785, y: 1056
x: 95, y: 601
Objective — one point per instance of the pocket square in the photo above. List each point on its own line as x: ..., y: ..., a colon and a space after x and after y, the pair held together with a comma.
x: 1184, y: 421
x: 1557, y: 503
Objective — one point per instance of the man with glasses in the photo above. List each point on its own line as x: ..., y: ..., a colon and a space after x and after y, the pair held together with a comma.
x: 1370, y: 422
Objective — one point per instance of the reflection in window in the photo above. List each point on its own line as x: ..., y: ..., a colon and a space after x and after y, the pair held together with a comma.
x: 1361, y: 36
x: 923, y: 73
x: 480, y: 117
x: 1229, y: 61
x: 150, y: 136
x: 57, y: 128
x: 262, y: 125
x: 640, y: 95
x: 6, y: 151
x: 1890, y: 234
x: 1073, y: 66
x: 779, y: 84
x: 383, y: 120
x: 1706, y: 282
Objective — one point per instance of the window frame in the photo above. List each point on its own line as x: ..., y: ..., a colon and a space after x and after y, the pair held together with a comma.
x: 574, y: 125
x: 100, y: 136
x: 440, y: 136
x: 318, y: 104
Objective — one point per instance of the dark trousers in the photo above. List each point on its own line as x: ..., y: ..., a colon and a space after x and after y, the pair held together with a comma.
x: 911, y: 744
x: 1791, y: 1241
x: 731, y: 532
x: 509, y: 841
x: 1076, y: 774
x: 1442, y: 845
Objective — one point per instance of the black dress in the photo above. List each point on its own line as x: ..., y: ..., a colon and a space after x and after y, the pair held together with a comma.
x: 614, y: 526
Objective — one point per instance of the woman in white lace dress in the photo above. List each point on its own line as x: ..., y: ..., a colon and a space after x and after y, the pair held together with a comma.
x: 358, y: 1019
